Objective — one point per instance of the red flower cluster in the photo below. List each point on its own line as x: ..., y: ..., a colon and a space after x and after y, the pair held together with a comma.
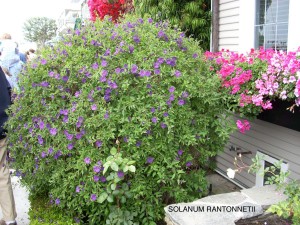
x: 102, y: 8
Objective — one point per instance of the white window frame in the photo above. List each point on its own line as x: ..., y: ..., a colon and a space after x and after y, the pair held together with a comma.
x: 247, y: 23
x: 259, y: 182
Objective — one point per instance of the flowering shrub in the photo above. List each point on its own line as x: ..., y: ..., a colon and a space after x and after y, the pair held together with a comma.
x: 253, y: 80
x: 117, y: 121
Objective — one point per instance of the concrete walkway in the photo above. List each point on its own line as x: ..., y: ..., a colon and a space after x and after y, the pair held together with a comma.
x: 224, y: 209
x: 22, y: 202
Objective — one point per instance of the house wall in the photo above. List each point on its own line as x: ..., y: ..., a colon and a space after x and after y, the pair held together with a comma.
x: 276, y: 141
x: 237, y: 19
x: 229, y: 24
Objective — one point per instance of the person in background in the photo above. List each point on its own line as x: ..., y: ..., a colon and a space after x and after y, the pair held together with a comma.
x: 10, y: 60
x: 21, y: 54
x: 7, y: 201
x: 30, y: 54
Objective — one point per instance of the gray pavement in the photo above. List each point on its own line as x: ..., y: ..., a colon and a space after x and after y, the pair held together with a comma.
x: 22, y: 202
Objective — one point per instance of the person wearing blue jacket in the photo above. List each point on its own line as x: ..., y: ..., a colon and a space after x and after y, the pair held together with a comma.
x: 7, y: 201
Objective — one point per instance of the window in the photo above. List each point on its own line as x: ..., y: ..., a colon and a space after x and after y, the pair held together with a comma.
x: 271, y: 25
x: 267, y: 161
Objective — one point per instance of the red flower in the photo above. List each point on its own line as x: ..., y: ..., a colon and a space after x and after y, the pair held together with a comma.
x: 102, y: 8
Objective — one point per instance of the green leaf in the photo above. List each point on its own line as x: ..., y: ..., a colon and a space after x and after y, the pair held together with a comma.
x: 102, y: 197
x: 114, y: 166
x: 125, y: 169
x: 110, y: 198
x: 113, y: 186
x: 113, y: 151
x: 131, y: 168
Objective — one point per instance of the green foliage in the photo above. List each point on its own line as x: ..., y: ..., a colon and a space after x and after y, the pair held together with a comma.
x: 290, y: 208
x: 192, y: 16
x: 41, y: 213
x: 39, y: 29
x: 117, y: 121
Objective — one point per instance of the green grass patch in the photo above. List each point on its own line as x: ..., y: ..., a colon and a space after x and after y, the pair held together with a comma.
x: 43, y: 213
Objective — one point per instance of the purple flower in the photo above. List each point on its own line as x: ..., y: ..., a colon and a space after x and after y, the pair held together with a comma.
x: 177, y: 73
x: 163, y: 125
x: 64, y: 112
x: 98, y: 143
x: 93, y: 197
x: 43, y: 61
x: 181, y: 102
x: 157, y: 71
x: 113, y: 85
x: 118, y: 70
x: 96, y: 178
x: 152, y: 109
x: 57, y: 201
x: 161, y: 34
x: 77, y: 93
x: 145, y: 73
x: 40, y: 139
x: 41, y: 125
x: 179, y: 152
x: 188, y: 164
x: 94, y: 107
x: 53, y: 131
x: 65, y: 78
x: 185, y: 94
x: 95, y: 66
x: 70, y: 146
x: 171, y: 98
x: 120, y: 174
x: 125, y: 139
x: 150, y: 20
x: 136, y: 39
x: 65, y: 119
x: 103, y: 179
x: 134, y: 68
x: 104, y: 73
x: 138, y: 144
x: 50, y: 150
x: 96, y: 169
x: 106, y: 116
x: 172, y: 89
x: 104, y: 63
x: 87, y: 160
x: 44, y: 84
x: 107, y: 52
x: 150, y: 160
x: 195, y: 55
x: 43, y: 154
x: 166, y: 114
x: 131, y: 49
x: 77, y: 189
x: 171, y: 61
x: 154, y: 120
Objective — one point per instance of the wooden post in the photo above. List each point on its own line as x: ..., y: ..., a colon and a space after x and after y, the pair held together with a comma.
x: 215, y: 26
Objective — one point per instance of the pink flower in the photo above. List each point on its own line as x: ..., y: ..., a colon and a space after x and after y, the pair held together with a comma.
x: 243, y: 126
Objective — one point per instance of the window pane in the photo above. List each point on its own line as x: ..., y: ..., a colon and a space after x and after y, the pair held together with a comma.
x: 270, y: 36
x: 283, y: 11
x: 259, y: 36
x: 271, y: 11
x: 282, y: 36
x: 260, y: 12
